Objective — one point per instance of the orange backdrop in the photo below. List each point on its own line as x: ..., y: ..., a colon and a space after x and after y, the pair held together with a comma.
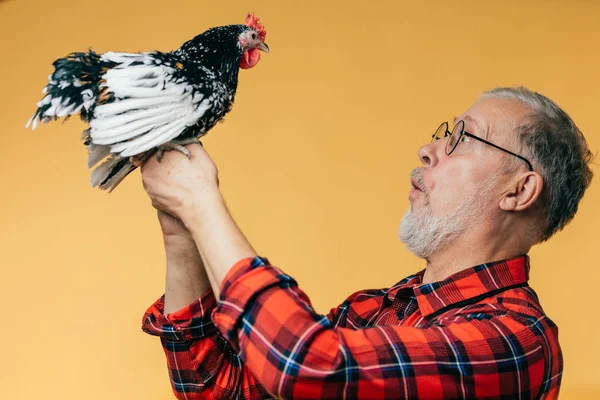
x: 314, y: 162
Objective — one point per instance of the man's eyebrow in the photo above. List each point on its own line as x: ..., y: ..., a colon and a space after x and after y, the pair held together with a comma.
x: 482, y: 130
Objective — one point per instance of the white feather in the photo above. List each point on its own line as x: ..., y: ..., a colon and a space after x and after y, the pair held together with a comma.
x: 149, y: 83
x: 87, y: 94
x: 30, y: 121
x: 198, y: 113
x: 88, y: 104
x: 65, y: 111
x: 137, y: 142
x: 51, y: 110
x: 132, y: 91
x: 150, y: 133
x: 168, y: 133
x: 134, y: 129
x: 103, y: 124
x: 135, y: 72
x: 142, y: 81
x: 88, y: 98
x: 121, y: 106
x: 44, y: 101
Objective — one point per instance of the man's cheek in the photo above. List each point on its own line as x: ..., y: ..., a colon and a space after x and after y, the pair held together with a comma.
x: 439, y: 198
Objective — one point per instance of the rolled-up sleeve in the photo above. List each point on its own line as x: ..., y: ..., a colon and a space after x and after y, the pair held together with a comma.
x: 201, y: 363
x: 191, y: 322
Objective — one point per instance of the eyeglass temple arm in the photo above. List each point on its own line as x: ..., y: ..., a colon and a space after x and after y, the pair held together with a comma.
x: 500, y: 148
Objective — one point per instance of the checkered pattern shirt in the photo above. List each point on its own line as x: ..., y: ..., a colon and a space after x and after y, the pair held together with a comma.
x: 480, y: 333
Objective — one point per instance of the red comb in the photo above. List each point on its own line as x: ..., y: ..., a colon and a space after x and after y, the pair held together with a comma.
x: 252, y: 22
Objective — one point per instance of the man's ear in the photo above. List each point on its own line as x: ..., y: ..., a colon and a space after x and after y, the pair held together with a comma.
x: 526, y: 190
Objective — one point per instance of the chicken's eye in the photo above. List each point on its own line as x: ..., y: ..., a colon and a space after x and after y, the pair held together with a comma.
x: 253, y: 36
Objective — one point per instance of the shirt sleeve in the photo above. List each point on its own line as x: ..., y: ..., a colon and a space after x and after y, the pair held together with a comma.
x: 201, y: 364
x: 191, y: 322
x: 296, y: 353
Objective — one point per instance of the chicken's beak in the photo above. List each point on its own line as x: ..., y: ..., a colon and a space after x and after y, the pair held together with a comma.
x: 263, y: 46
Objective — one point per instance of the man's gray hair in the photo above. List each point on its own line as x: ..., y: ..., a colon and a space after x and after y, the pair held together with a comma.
x: 549, y: 138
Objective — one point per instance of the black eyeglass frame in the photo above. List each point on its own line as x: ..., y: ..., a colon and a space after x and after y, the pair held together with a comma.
x: 463, y: 132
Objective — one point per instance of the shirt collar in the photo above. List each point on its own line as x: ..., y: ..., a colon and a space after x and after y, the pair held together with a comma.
x: 469, y: 283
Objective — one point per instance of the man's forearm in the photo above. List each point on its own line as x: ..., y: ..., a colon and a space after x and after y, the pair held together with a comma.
x: 186, y: 279
x: 220, y: 242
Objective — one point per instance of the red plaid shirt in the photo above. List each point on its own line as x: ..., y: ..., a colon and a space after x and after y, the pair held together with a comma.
x: 481, y: 333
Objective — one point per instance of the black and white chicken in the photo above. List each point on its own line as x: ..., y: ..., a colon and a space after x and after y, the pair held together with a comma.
x: 137, y: 104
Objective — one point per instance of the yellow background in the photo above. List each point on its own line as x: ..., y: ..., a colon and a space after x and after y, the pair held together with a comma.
x: 314, y: 162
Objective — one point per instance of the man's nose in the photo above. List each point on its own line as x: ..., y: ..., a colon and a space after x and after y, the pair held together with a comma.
x: 428, y: 154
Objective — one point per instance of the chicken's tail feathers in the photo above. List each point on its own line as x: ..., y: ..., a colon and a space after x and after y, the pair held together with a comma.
x: 111, y: 172
x: 73, y: 88
x: 96, y: 152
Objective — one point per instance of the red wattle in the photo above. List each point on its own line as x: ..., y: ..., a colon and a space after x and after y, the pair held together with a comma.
x: 250, y: 58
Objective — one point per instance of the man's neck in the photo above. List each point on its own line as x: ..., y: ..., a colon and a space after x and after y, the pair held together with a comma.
x: 470, y: 250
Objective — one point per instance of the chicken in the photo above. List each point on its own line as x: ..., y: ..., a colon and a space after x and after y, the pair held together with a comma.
x: 138, y: 104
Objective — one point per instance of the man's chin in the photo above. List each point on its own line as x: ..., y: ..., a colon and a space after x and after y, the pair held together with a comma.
x: 420, y: 232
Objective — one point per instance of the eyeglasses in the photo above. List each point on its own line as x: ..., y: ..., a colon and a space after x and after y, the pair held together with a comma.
x: 454, y: 138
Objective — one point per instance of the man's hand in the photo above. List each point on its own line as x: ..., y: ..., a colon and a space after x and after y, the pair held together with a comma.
x: 177, y: 185
x: 189, y: 191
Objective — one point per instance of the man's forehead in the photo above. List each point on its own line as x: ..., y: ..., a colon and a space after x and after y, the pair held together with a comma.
x: 491, y: 115
x: 468, y: 118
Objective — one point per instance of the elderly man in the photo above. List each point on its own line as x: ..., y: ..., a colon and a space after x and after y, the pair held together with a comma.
x: 508, y: 174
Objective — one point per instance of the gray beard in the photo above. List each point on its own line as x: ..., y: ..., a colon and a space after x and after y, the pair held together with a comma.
x: 424, y: 234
